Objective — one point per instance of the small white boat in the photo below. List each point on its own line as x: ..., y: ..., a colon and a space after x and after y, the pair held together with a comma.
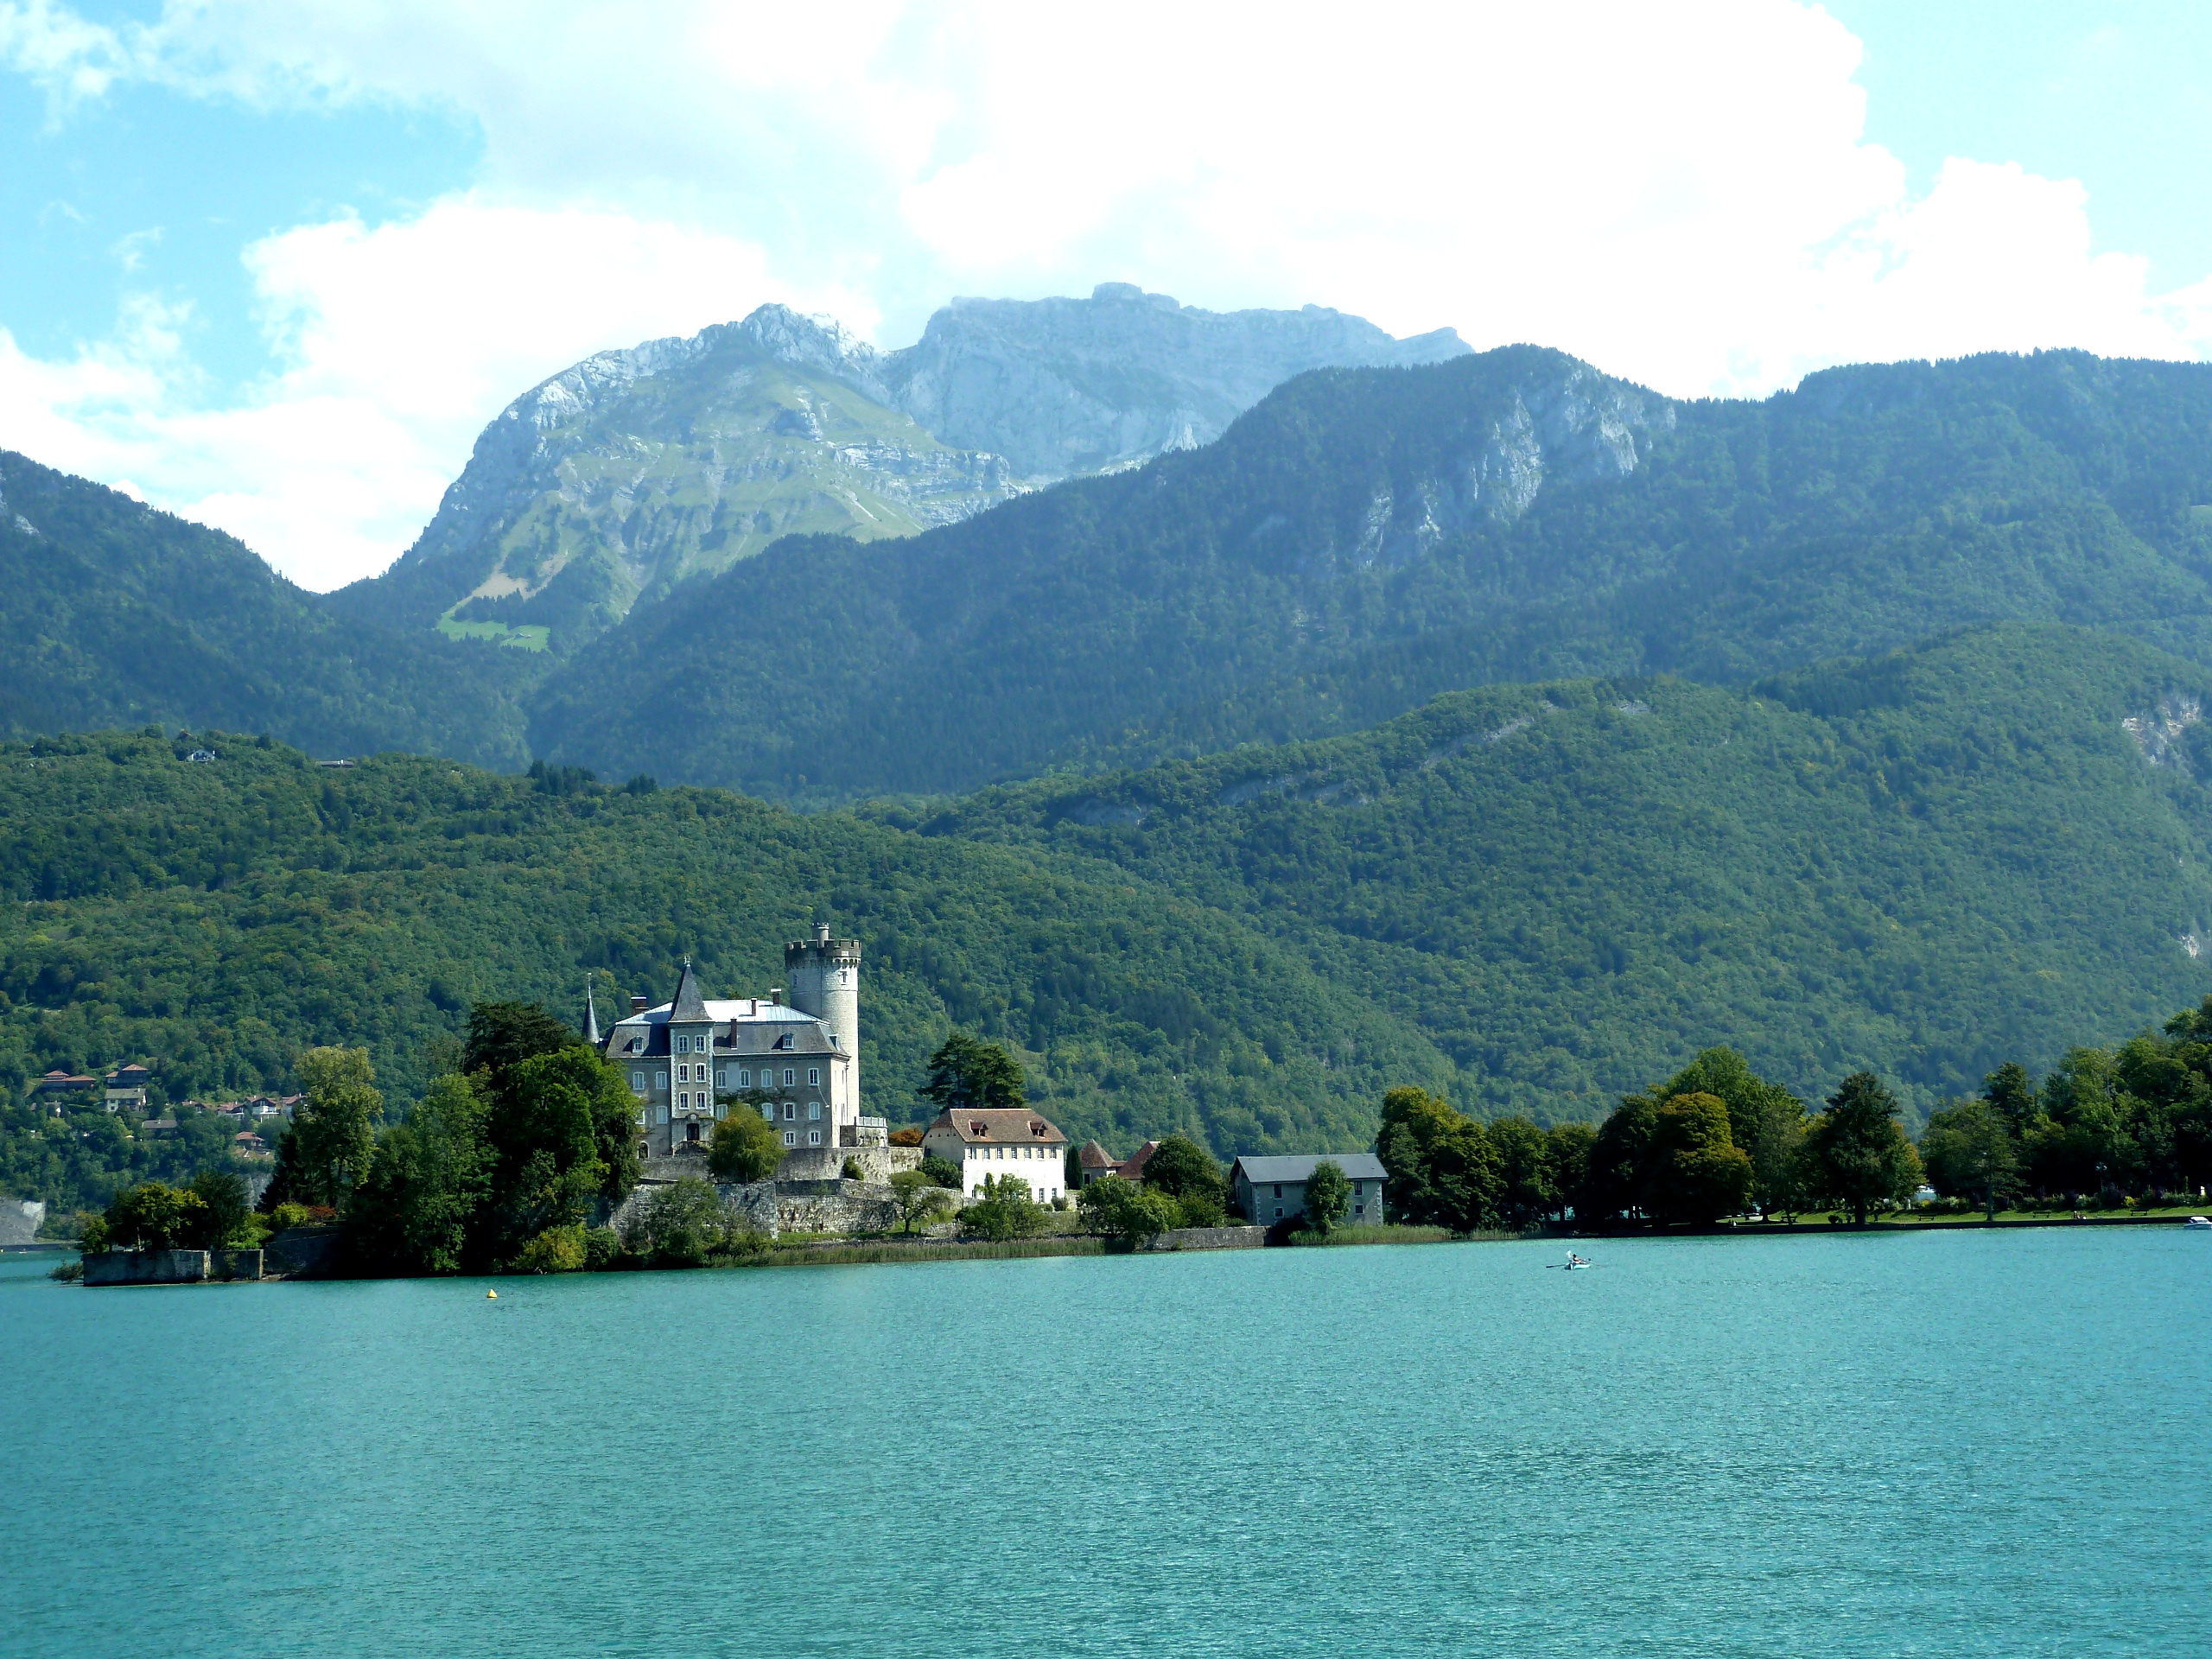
x: 2204, y: 1222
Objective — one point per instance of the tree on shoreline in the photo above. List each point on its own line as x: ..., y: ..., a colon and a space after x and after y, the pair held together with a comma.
x: 1856, y: 1152
x: 1328, y: 1198
x: 1970, y: 1149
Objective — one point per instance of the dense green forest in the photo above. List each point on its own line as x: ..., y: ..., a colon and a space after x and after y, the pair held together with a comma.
x: 113, y: 614
x: 1526, y: 899
x: 1928, y: 864
x: 1366, y: 539
x: 217, y: 919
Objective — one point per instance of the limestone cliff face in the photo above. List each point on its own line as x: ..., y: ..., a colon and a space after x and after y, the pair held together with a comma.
x: 1063, y: 386
x: 1570, y: 423
x: 622, y: 476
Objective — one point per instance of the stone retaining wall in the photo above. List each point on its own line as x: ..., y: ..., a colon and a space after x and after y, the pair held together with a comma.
x: 303, y: 1252
x: 1210, y: 1238
x: 779, y: 1207
x: 146, y: 1267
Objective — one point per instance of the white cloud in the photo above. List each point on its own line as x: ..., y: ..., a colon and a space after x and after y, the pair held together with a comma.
x: 1679, y: 192
x: 397, y: 344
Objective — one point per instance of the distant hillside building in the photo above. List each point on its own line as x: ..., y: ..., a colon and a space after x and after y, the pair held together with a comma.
x: 803, y: 1055
x: 126, y: 1089
x: 999, y: 1141
x: 1269, y: 1190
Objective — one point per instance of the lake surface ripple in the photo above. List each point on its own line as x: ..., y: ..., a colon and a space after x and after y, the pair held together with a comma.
x: 1954, y: 1444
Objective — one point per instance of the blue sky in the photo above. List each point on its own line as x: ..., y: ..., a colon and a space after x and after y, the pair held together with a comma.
x: 274, y: 265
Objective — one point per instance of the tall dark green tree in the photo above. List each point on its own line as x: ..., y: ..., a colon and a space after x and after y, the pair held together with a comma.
x: 333, y: 1134
x: 966, y: 1071
x: 1856, y: 1152
x: 1328, y: 1197
x: 1528, y: 1175
x: 1969, y: 1150
x: 1442, y: 1165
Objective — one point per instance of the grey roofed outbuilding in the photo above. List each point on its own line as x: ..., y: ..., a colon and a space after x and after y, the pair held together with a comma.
x: 1358, y: 1166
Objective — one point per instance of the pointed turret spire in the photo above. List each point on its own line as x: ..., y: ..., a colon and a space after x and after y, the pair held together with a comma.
x: 688, y: 1005
x: 591, y: 1017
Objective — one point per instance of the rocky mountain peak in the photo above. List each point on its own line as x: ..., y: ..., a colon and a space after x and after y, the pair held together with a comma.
x: 816, y: 342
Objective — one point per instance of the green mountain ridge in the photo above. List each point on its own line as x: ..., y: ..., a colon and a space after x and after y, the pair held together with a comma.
x: 116, y: 614
x: 1364, y: 540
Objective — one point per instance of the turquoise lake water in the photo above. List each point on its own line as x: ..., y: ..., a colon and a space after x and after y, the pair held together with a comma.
x: 1938, y: 1444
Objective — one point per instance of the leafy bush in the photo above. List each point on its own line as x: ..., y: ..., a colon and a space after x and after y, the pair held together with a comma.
x: 745, y: 1147
x: 680, y: 1226
x: 1002, y: 1209
x: 943, y: 1171
x: 558, y: 1249
x: 1130, y: 1210
x: 602, y: 1249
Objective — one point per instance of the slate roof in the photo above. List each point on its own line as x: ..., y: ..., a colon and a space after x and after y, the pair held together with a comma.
x: 985, y: 1126
x: 1359, y: 1166
x: 688, y: 1004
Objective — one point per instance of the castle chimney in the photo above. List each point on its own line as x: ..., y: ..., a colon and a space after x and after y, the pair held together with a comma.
x: 637, y: 1005
x: 776, y: 995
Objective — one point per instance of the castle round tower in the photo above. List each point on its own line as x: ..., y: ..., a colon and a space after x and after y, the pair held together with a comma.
x: 824, y: 975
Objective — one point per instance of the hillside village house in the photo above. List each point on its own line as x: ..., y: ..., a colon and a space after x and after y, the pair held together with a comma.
x: 1097, y: 1163
x: 1269, y: 1190
x: 803, y: 1055
x: 123, y: 1089
x: 986, y: 1141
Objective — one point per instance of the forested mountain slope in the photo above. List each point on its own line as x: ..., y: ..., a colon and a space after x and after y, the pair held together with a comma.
x: 215, y: 919
x: 1988, y: 848
x: 1534, y: 898
x: 1364, y: 539
x: 115, y: 613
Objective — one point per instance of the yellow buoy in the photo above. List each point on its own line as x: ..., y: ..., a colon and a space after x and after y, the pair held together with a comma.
x: 492, y: 1295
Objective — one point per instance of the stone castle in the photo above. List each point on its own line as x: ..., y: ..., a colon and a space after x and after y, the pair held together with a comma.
x: 798, y: 1056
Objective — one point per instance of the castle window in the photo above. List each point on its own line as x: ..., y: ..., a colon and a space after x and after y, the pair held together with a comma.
x: 684, y: 1074
x: 768, y: 1112
x: 790, y: 1137
x: 814, y: 1077
x: 791, y: 1076
x: 637, y: 1081
x: 744, y: 1077
x: 790, y: 1111
x: 784, y: 1042
x: 724, y: 1079
x: 660, y: 1080
x: 814, y: 1112
x: 684, y: 1044
x: 814, y: 1137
